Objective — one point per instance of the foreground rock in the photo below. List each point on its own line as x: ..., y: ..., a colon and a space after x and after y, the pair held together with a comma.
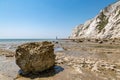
x: 35, y: 57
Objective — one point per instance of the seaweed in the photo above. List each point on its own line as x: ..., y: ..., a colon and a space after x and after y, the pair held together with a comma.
x: 103, y: 22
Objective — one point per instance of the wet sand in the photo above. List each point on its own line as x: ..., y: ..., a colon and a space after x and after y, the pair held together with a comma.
x: 69, y: 55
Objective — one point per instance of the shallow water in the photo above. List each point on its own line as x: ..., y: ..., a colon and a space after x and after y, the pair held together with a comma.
x: 2, y: 58
x: 58, y: 49
x: 8, y: 67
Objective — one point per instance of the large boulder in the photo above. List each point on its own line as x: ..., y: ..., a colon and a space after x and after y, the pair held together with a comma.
x: 35, y: 56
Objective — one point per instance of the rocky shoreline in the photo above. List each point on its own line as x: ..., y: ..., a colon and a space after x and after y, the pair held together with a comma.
x: 100, y: 58
x: 77, y: 61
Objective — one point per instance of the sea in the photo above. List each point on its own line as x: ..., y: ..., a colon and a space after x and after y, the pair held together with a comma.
x: 23, y: 40
x: 11, y: 44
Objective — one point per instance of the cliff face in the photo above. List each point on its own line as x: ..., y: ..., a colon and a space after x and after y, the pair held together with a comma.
x: 105, y: 25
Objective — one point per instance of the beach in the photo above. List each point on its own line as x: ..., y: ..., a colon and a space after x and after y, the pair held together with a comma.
x: 87, y: 60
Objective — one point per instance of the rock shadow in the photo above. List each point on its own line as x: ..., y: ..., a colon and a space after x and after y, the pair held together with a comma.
x: 47, y: 73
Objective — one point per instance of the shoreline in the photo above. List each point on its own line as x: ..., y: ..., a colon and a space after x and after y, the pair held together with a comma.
x: 78, y: 58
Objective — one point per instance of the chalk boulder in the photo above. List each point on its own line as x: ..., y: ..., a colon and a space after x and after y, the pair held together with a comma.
x: 35, y: 56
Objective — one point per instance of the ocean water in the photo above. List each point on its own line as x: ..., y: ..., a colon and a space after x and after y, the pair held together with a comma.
x: 23, y: 40
x: 11, y: 44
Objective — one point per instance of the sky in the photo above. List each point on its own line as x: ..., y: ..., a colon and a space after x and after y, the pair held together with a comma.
x: 45, y: 18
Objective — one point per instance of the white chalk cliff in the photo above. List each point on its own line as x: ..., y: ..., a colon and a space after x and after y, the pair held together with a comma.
x: 105, y: 25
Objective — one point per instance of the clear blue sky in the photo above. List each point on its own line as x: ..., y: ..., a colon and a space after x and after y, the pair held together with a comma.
x: 45, y: 18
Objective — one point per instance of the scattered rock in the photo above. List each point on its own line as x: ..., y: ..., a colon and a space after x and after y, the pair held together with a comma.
x: 77, y: 68
x: 113, y: 40
x: 100, y: 42
x: 95, y: 67
x: 73, y: 40
x: 79, y: 40
x: 59, y: 61
x: 105, y: 40
x: 56, y: 42
x: 96, y: 40
x: 88, y: 40
x: 35, y: 57
x: 7, y: 53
